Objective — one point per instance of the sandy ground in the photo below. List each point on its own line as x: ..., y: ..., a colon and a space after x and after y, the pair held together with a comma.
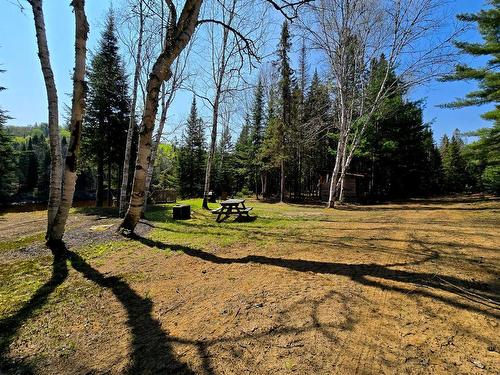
x: 394, y: 289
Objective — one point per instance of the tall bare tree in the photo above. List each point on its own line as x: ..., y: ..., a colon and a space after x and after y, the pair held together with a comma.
x: 53, y: 109
x: 139, y: 11
x: 56, y: 233
x: 226, y: 70
x: 412, y: 35
x: 179, y: 32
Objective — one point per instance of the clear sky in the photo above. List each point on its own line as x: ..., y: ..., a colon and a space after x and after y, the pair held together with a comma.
x: 25, y: 97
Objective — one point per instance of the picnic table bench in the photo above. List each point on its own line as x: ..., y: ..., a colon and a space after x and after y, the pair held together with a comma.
x: 232, y: 207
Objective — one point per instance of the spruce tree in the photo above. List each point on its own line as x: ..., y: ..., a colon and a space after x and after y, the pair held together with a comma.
x: 8, y: 179
x: 243, y: 158
x: 483, y: 158
x: 454, y: 165
x: 32, y: 167
x: 257, y: 133
x: 285, y: 85
x: 488, y: 77
x: 107, y: 115
x: 192, y: 156
x: 224, y: 178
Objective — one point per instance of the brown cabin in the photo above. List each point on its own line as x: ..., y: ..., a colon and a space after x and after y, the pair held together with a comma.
x: 352, y: 187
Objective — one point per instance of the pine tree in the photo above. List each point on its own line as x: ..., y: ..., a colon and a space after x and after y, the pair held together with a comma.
x: 192, y: 156
x: 32, y: 167
x: 8, y: 180
x: 488, y: 77
x: 318, y: 134
x: 454, y: 165
x: 257, y: 133
x: 483, y: 158
x: 107, y: 116
x: 224, y: 179
x: 243, y: 157
x: 285, y: 85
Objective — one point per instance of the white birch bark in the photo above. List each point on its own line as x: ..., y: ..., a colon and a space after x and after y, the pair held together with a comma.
x: 77, y: 112
x: 53, y: 109
x: 131, y: 126
x: 178, y: 36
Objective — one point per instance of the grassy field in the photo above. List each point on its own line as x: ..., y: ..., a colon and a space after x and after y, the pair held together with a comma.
x: 390, y: 289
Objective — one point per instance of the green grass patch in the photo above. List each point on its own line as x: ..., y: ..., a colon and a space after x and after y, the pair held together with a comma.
x: 21, y: 242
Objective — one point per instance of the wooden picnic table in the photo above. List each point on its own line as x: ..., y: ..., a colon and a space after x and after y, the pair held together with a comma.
x: 232, y: 207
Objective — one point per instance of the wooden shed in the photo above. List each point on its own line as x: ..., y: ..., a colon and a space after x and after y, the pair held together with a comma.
x: 163, y: 196
x: 352, y: 187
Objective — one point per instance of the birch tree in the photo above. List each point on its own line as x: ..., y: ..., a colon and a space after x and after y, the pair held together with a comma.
x: 77, y: 111
x: 178, y: 34
x: 140, y: 13
x: 226, y: 68
x: 53, y: 109
x: 350, y: 34
x: 62, y: 184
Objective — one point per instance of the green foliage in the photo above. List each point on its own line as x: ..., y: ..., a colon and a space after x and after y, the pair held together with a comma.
x: 107, y: 116
x: 455, y: 172
x: 224, y: 175
x: 165, y: 173
x: 483, y: 157
x: 398, y: 154
x: 488, y: 77
x: 8, y: 180
x: 192, y: 156
x: 243, y: 158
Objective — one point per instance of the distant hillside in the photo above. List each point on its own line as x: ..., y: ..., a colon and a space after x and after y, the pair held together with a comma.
x: 32, y: 130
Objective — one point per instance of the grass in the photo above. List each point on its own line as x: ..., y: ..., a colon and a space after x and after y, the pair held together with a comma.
x: 356, y: 249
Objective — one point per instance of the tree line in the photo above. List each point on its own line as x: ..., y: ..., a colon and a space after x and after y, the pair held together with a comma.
x: 303, y: 129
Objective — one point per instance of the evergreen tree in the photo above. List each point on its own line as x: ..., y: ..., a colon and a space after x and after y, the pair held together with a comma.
x: 192, y: 156
x: 318, y: 133
x: 398, y: 151
x: 257, y: 133
x: 488, y: 21
x: 483, y: 158
x: 32, y: 168
x: 243, y: 158
x: 285, y: 85
x: 224, y: 178
x: 107, y: 115
x: 454, y: 165
x: 8, y: 180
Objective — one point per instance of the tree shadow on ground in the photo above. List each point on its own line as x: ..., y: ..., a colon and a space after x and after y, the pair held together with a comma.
x: 484, y: 297
x: 151, y: 347
x: 10, y: 325
x: 151, y: 351
x: 408, y: 207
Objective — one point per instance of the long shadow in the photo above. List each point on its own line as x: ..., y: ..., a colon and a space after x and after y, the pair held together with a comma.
x: 410, y: 207
x: 10, y: 325
x: 480, y: 293
x: 151, y: 350
x: 151, y: 346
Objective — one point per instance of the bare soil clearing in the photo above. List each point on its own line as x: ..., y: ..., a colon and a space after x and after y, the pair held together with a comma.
x: 410, y: 288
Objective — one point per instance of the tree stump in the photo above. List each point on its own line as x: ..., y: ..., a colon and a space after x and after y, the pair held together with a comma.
x: 181, y: 212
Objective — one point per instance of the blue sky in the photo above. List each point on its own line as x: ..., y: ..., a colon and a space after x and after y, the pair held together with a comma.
x: 25, y: 97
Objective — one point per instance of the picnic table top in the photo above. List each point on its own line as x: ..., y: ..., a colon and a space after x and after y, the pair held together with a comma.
x: 232, y: 202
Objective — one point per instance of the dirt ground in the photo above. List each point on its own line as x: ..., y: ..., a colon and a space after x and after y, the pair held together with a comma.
x: 407, y: 288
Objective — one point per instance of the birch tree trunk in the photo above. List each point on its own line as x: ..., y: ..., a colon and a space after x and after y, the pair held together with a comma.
x: 154, y: 151
x: 53, y: 109
x: 177, y: 38
x: 211, y: 152
x: 219, y: 83
x: 77, y: 112
x: 131, y: 125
